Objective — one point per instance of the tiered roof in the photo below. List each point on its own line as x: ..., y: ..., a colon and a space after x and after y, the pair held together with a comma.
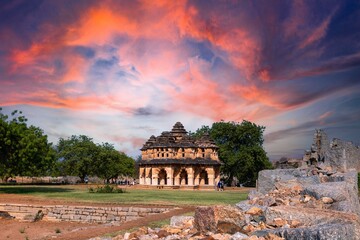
x: 178, y: 138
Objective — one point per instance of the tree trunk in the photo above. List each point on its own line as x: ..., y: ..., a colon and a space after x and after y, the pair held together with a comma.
x: 5, y: 179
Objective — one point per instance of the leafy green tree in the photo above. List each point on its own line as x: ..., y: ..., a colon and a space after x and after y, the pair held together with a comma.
x: 127, y: 166
x: 111, y: 163
x: 240, y: 149
x: 77, y: 155
x: 80, y: 156
x: 24, y: 150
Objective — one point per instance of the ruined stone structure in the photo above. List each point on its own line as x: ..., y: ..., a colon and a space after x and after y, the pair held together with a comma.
x: 176, y: 159
x: 288, y: 163
x: 338, y: 154
x: 90, y: 214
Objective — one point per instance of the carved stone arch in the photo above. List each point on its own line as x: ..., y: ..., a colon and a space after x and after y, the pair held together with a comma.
x: 162, y: 177
x: 183, y: 177
x: 203, y: 176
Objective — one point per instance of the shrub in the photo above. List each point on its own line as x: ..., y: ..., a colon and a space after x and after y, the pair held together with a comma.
x: 106, y: 189
x: 39, y: 216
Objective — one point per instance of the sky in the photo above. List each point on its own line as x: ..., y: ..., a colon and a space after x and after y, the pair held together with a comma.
x: 121, y: 71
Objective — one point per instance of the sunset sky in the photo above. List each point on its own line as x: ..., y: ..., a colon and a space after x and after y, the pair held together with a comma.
x: 121, y: 71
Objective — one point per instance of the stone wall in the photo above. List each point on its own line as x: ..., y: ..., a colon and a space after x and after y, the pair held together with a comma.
x: 79, y: 213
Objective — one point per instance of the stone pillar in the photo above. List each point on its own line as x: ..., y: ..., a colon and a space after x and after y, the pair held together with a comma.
x: 142, y: 176
x: 177, y: 181
x: 148, y: 173
x: 155, y: 176
x: 169, y: 175
x: 211, y: 176
x: 190, y: 172
x: 198, y: 181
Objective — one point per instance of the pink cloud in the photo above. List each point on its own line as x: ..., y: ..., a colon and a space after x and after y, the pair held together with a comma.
x: 317, y: 34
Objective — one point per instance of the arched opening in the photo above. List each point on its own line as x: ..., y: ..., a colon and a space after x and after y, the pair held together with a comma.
x: 204, y: 180
x: 183, y: 177
x: 162, y: 177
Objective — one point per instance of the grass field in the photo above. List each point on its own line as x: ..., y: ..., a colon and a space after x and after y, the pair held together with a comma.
x: 80, y: 193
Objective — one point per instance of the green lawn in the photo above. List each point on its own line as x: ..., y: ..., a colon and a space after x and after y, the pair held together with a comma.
x: 132, y: 196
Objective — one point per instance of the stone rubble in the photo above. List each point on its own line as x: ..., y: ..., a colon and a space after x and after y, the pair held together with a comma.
x: 184, y: 228
x: 308, y: 203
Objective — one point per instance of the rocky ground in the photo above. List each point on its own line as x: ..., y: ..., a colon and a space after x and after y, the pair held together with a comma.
x: 309, y: 203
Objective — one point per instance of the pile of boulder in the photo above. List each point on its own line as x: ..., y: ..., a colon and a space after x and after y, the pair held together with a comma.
x: 303, y: 203
x: 308, y: 203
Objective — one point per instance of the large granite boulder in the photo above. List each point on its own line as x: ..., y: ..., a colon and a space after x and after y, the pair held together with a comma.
x: 269, y: 180
x: 223, y: 219
x: 308, y: 203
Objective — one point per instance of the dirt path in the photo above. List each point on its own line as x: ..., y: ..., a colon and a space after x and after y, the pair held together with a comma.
x: 13, y: 229
x: 101, y: 230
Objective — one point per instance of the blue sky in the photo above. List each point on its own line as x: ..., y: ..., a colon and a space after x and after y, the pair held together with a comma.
x: 121, y: 71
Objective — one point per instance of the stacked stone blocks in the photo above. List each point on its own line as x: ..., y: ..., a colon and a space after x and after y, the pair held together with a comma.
x: 80, y: 213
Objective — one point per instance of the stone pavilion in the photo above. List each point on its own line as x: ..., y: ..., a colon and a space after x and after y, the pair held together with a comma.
x: 176, y: 159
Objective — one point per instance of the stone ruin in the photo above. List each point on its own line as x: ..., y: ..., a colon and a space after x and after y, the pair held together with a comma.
x: 342, y: 155
x: 318, y: 201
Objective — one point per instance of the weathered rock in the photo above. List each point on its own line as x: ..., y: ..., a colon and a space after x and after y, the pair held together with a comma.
x: 148, y: 237
x: 294, y: 223
x: 126, y: 235
x: 239, y: 236
x: 344, y: 193
x: 248, y: 228
x: 327, y: 200
x: 162, y: 233
x: 173, y: 230
x: 245, y: 206
x: 225, y: 219
x: 177, y: 221
x: 172, y: 237
x: 254, y: 211
x: 279, y: 222
x: 319, y: 232
x: 219, y: 236
x: 284, y: 178
x: 307, y: 217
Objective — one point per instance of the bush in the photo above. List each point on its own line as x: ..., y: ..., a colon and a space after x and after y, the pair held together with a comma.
x: 106, y: 189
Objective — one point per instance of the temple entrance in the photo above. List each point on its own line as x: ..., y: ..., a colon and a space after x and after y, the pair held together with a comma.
x: 162, y: 177
x: 204, y: 180
x: 183, y: 177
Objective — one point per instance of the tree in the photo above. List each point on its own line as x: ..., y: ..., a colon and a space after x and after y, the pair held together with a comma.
x: 77, y: 155
x: 127, y: 166
x: 24, y: 150
x: 240, y: 149
x: 80, y: 156
x: 111, y: 163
